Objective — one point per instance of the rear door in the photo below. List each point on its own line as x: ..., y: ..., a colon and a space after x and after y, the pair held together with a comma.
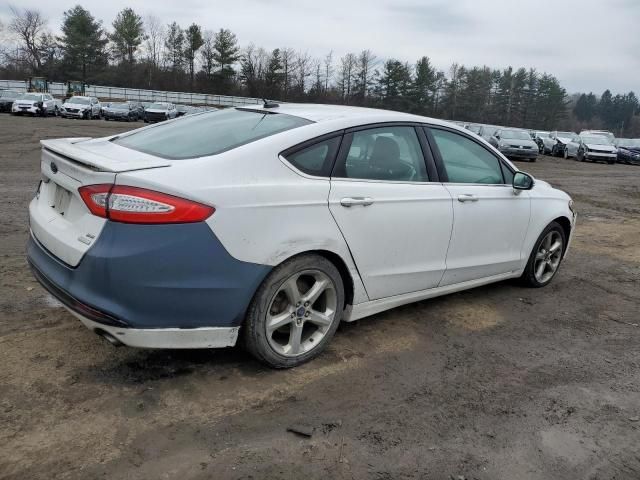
x: 59, y: 218
x: 491, y: 218
x: 395, y: 216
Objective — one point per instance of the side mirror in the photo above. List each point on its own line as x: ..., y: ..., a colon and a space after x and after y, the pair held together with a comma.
x: 522, y: 181
x: 497, y: 137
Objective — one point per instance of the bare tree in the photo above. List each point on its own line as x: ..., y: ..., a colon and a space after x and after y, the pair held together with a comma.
x: 154, y: 39
x: 364, y: 75
x: 288, y: 70
x: 328, y: 70
x: 303, y: 71
x: 29, y: 26
x: 208, y: 53
x: 346, y: 76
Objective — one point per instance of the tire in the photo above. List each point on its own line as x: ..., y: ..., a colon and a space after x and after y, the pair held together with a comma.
x: 532, y: 159
x: 530, y: 277
x: 611, y: 162
x: 279, y: 299
x: 566, y: 154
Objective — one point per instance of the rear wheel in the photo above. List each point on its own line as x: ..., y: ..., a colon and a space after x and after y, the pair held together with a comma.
x: 545, y: 257
x: 295, y: 312
x: 566, y: 153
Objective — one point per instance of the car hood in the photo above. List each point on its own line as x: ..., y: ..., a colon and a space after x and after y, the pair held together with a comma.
x: 156, y: 110
x: 565, y: 139
x: 27, y: 102
x: 596, y: 146
x: 631, y: 149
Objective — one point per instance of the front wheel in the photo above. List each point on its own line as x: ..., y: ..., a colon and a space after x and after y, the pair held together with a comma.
x: 566, y: 154
x: 545, y: 257
x: 295, y: 312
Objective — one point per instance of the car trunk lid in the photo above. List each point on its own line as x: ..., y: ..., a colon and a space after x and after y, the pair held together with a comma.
x: 60, y: 221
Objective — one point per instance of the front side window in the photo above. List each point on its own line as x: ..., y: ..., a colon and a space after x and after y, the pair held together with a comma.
x: 209, y: 133
x: 384, y: 153
x: 316, y: 159
x: 465, y: 161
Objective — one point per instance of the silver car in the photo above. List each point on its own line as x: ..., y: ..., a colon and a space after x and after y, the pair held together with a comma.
x: 564, y: 144
x: 515, y: 144
x: 606, y: 133
x: 596, y: 148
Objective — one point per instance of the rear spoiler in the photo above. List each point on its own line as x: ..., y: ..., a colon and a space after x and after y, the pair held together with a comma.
x: 102, y: 155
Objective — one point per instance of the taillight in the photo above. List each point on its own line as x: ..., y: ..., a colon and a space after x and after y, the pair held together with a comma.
x: 125, y: 204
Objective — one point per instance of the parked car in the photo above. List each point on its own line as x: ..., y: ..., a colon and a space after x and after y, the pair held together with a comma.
x: 539, y: 139
x: 139, y: 109
x: 81, y: 107
x: 279, y: 223
x: 515, y: 144
x: 596, y: 148
x: 35, y: 104
x: 120, y: 111
x: 159, y: 112
x: 628, y: 150
x: 610, y: 136
x: 571, y: 144
x: 487, y: 131
x: 7, y: 97
x: 473, y: 127
x: 182, y: 110
x: 558, y: 143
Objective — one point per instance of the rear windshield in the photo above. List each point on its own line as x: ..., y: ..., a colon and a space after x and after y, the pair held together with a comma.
x: 209, y: 133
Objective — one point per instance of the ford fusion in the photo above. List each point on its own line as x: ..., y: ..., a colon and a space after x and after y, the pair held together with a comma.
x: 272, y: 224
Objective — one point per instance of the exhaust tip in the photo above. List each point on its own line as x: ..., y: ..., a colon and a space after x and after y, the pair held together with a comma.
x: 108, y: 337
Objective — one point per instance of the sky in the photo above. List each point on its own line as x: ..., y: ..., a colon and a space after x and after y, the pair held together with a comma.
x: 589, y: 45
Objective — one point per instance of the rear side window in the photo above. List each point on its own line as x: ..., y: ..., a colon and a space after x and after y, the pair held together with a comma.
x: 209, y: 133
x: 465, y: 161
x: 316, y: 159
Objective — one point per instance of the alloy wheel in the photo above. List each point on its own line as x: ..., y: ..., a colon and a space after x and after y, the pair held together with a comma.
x: 548, y: 257
x: 301, y: 313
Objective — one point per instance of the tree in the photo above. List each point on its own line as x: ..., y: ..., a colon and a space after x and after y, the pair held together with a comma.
x: 423, y: 86
x: 346, y: 76
x: 193, y: 42
x: 207, y: 54
x: 83, y: 43
x: 394, y: 85
x: 174, y: 47
x: 252, y: 70
x: 586, y: 107
x: 605, y: 108
x: 30, y: 28
x: 363, y: 75
x: 128, y: 34
x: 154, y: 39
x: 226, y: 53
x: 273, y: 75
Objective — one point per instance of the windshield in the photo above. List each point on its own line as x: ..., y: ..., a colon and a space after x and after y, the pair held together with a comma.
x: 32, y: 96
x: 474, y: 128
x: 209, y: 133
x: 596, y: 140
x: 565, y: 134
x: 119, y: 106
x: 515, y: 135
x: 79, y: 101
x: 159, y: 106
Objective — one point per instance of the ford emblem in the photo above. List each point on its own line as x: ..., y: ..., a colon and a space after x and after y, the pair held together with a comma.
x: 54, y: 167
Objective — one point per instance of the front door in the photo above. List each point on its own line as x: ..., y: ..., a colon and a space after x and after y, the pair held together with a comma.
x: 396, y: 223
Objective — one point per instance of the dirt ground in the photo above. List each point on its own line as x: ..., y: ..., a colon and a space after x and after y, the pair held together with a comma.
x: 500, y: 382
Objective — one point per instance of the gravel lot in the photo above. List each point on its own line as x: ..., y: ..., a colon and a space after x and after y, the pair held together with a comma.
x: 500, y: 382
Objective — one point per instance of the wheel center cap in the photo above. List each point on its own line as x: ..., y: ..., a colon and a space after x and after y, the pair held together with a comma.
x: 300, y: 312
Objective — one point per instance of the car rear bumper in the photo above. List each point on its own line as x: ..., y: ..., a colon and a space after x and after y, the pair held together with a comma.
x: 150, y: 277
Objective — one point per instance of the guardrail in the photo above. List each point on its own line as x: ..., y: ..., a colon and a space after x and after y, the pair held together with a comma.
x: 139, y: 95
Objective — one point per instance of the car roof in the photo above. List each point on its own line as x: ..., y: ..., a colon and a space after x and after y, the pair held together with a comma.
x: 323, y: 113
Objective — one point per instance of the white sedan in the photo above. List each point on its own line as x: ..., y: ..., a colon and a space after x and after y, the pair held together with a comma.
x: 275, y: 223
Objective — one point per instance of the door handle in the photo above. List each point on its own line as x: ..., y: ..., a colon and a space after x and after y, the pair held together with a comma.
x: 353, y: 201
x: 467, y: 197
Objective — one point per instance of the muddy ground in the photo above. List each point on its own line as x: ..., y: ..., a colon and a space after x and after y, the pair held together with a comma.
x: 500, y: 382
